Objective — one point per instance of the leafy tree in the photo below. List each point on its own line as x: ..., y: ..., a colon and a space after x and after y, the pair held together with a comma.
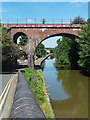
x: 66, y: 52
x: 84, y: 50
x: 73, y: 54
x: 40, y: 50
x: 43, y: 21
x: 78, y: 20
x: 88, y: 21
x: 62, y: 50
x: 23, y: 40
x: 9, y: 52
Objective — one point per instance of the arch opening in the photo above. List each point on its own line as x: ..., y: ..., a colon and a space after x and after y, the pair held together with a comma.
x: 20, y: 38
x: 71, y: 56
x: 68, y: 35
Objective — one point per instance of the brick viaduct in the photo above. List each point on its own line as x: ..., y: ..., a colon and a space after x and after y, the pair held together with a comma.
x: 36, y: 33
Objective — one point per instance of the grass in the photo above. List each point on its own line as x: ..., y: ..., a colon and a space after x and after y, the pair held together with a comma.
x: 36, y: 83
x: 45, y: 106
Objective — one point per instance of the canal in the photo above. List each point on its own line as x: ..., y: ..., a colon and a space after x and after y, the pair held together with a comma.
x: 68, y: 91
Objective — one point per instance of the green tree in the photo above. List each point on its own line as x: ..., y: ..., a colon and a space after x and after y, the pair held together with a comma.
x: 40, y: 50
x: 73, y: 54
x: 66, y: 52
x: 62, y: 50
x: 9, y: 52
x: 78, y: 20
x: 88, y: 21
x: 23, y: 40
x: 84, y: 49
x: 43, y: 21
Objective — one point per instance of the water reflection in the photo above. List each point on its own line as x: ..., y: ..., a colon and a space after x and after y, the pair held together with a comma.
x: 68, y: 91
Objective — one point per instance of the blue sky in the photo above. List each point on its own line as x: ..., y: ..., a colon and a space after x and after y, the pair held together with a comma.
x: 47, y: 10
x: 11, y: 11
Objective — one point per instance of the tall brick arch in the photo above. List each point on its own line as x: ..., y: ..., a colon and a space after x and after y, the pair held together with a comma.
x: 36, y: 33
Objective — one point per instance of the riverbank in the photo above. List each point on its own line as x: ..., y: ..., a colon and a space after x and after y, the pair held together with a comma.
x: 39, y: 89
x: 46, y: 96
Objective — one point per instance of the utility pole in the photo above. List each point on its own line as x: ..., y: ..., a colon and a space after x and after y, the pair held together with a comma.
x: 35, y: 20
x: 17, y: 21
x: 53, y: 21
x: 7, y: 21
x: 70, y: 21
x: 61, y: 21
x: 26, y: 21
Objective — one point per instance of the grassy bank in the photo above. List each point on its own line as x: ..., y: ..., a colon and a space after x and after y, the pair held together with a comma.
x: 38, y: 88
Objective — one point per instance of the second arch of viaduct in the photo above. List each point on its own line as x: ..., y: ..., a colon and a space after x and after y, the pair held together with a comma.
x: 36, y: 33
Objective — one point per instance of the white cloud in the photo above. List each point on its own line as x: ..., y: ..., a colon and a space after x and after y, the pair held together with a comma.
x: 78, y: 4
x: 45, y: 0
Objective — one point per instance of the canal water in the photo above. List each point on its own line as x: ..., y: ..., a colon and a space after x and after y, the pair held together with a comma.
x: 68, y: 91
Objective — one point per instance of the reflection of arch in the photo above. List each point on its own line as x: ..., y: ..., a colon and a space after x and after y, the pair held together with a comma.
x: 15, y: 37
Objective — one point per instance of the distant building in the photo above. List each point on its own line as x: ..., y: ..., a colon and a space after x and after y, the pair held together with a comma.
x: 35, y: 57
x: 47, y: 50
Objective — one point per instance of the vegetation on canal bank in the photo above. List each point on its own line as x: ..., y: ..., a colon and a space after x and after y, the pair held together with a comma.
x: 37, y: 86
x: 84, y: 48
x: 75, y: 53
x: 66, y: 52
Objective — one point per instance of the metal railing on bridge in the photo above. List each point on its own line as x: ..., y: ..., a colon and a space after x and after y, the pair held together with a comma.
x: 35, y: 21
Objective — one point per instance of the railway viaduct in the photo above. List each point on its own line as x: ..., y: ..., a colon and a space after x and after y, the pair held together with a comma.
x: 36, y: 33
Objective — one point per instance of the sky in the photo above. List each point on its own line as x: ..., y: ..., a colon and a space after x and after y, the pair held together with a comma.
x: 52, y: 12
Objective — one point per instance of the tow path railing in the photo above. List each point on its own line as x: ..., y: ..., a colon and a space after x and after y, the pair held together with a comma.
x: 24, y: 104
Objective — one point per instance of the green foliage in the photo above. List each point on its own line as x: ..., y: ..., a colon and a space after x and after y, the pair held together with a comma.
x: 84, y: 49
x: 43, y: 21
x: 62, y: 50
x: 40, y: 50
x: 78, y: 20
x: 63, y: 60
x: 35, y: 81
x: 73, y: 54
x: 52, y: 50
x: 9, y: 52
x: 23, y: 40
x: 88, y: 21
x: 66, y: 52
x: 4, y: 28
x: 36, y: 84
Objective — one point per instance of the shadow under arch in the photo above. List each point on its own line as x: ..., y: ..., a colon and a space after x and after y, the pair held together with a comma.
x: 17, y: 35
x: 72, y: 36
x: 68, y: 35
